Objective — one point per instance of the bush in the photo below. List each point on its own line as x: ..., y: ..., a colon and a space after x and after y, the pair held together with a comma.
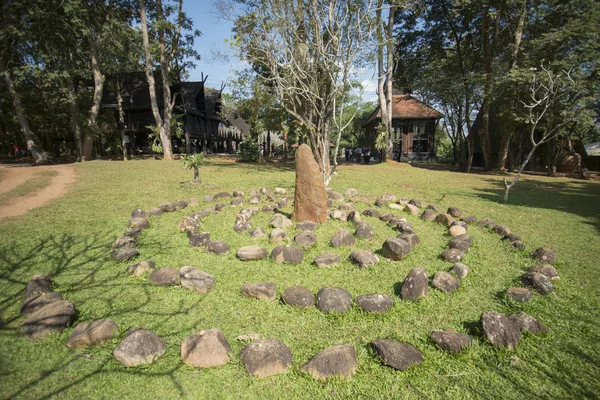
x: 249, y: 150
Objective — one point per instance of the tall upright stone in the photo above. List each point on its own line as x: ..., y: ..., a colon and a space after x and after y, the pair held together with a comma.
x: 310, y: 200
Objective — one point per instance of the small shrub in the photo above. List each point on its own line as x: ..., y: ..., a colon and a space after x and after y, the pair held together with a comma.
x: 249, y: 150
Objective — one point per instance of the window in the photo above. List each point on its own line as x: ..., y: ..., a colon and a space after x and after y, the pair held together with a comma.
x: 420, y: 138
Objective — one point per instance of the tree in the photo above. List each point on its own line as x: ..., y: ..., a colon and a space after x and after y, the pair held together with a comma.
x: 307, y: 51
x: 194, y: 162
x: 172, y: 49
x: 546, y: 111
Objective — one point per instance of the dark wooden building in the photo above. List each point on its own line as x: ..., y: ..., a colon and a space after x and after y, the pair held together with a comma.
x: 414, y: 124
x: 196, y: 107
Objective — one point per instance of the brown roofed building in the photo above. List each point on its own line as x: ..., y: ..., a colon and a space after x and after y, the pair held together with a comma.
x: 414, y: 124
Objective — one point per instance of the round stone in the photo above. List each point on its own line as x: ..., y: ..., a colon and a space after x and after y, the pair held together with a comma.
x: 364, y: 258
x: 395, y: 248
x: 261, y: 291
x: 298, y: 296
x: 306, y: 239
x: 338, y: 361
x: 398, y: 355
x: 342, y: 238
x: 196, y: 280
x: 287, y: 254
x: 333, y: 299
x: 165, y: 277
x: 266, y: 357
x: 327, y: 260
x: 457, y: 230
x: 140, y: 346
x: 445, y: 282
x: 375, y: 303
x: 415, y: 285
x: 248, y: 253
x: 217, y: 247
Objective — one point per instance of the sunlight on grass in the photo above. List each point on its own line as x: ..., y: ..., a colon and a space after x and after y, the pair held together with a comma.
x: 70, y: 241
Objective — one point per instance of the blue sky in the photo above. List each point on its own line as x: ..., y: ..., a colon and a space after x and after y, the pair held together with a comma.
x: 214, y: 33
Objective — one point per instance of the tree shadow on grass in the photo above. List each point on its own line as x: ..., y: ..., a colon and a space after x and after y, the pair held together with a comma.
x: 575, y: 197
x: 82, y: 270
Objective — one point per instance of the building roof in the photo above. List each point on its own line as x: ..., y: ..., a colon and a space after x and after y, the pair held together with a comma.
x: 406, y: 106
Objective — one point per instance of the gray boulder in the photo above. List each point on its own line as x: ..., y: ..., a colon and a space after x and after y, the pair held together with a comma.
x: 140, y: 268
x: 187, y: 224
x: 37, y: 285
x: 33, y: 303
x: 199, y: 239
x: 545, y: 269
x: 539, y: 282
x: 445, y: 282
x: 249, y: 253
x: 338, y: 361
x: 411, y: 238
x: 326, y: 260
x: 428, y: 215
x: 93, y: 333
x: 298, y: 296
x: 196, y: 280
x: 486, y: 223
x: 333, y: 299
x: 242, y: 226
x: 141, y: 223
x: 139, y: 347
x: 398, y: 355
x: 217, y: 247
x: 501, y: 230
x: 155, y: 212
x: 343, y: 238
x: 125, y: 253
x: 371, y: 213
x: 444, y: 219
x: 306, y: 239
x: 411, y: 209
x: 287, y: 254
x: 237, y: 201
x: 471, y: 219
x: 257, y: 233
x: 364, y: 258
x: 454, y: 212
x: 395, y: 249
x: 339, y: 215
x: 520, y: 295
x: 124, y: 241
x: 450, y: 340
x: 307, y: 226
x: 500, y: 330
x: 53, y: 317
x: 165, y: 277
x: 221, y: 195
x: 138, y: 213
x: 168, y: 207
x: 266, y: 357
x: 415, y: 285
x: 261, y: 291
x: 374, y: 303
x: 206, y: 349
x: 545, y: 255
x: 453, y: 255
x: 527, y: 323
x: 280, y: 221
x: 460, y: 270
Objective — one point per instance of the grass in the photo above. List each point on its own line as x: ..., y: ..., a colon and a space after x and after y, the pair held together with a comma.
x: 70, y: 241
x: 40, y: 180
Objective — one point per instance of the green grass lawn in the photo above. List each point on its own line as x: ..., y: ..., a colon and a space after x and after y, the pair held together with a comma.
x: 70, y: 241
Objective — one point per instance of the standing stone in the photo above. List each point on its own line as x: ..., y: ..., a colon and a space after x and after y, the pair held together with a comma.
x: 206, y: 349
x: 333, y: 299
x: 364, y: 258
x: 445, y: 282
x: 287, y: 254
x: 415, y: 285
x: 187, y: 224
x: 450, y: 340
x: 336, y: 361
x: 266, y: 357
x: 138, y: 213
x: 298, y: 296
x: 395, y: 248
x: 354, y: 216
x: 397, y: 355
x: 544, y: 255
x: 196, y: 280
x: 500, y: 330
x: 93, y: 333
x: 342, y: 238
x: 165, y: 277
x: 54, y: 317
x: 140, y: 268
x: 520, y: 295
x: 310, y: 198
x: 140, y: 346
x: 306, y: 239
x: 375, y: 303
x: 261, y: 291
x: 249, y: 253
x: 327, y: 260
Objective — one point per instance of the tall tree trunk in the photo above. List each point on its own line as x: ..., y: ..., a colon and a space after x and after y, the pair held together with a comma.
x: 389, y: 78
x: 33, y: 143
x: 550, y: 157
x: 164, y: 134
x: 74, y: 112
x: 503, y: 152
x: 121, y: 116
x: 88, y: 138
x: 381, y: 73
x: 484, y: 134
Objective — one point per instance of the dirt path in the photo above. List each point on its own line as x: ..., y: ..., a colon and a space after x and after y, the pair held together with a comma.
x: 13, y: 176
